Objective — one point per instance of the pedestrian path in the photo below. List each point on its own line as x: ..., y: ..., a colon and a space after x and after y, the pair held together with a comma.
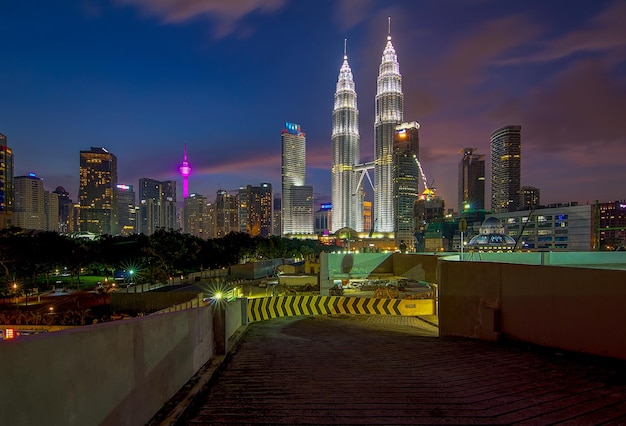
x: 364, y: 370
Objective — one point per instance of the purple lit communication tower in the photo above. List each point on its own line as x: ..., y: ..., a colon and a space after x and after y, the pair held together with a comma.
x: 185, y: 171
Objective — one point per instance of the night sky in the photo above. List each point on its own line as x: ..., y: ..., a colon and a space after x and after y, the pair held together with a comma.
x: 143, y: 78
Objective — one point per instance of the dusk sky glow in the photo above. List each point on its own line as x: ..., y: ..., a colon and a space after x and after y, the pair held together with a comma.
x: 143, y: 78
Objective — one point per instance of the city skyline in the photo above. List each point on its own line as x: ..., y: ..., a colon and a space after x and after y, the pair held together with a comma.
x: 144, y: 78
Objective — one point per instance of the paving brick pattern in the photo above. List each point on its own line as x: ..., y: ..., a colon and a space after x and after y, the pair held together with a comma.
x: 364, y: 370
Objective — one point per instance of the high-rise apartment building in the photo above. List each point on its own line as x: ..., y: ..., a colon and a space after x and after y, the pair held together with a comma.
x: 126, y: 209
x: 506, y: 164
x: 226, y: 212
x: 346, y: 203
x: 196, y: 220
x: 157, y: 205
x: 96, y: 193
x: 389, y: 114
x: 405, y: 172
x: 471, y: 181
x: 277, y: 217
x: 168, y: 198
x: 29, y: 208
x: 51, y: 210
x: 6, y: 183
x: 66, y: 211
x: 297, y: 198
x: 255, y: 210
x: 530, y: 198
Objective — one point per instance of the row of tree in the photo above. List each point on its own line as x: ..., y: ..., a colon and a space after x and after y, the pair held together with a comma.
x: 25, y: 256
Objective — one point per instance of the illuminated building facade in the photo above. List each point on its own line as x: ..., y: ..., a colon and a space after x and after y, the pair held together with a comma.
x: 66, y: 211
x: 196, y: 216
x: 611, y: 225
x: 559, y: 228
x: 530, y: 197
x: 506, y: 166
x: 51, y: 210
x: 346, y: 202
x: 157, y: 205
x: 323, y: 219
x: 297, y: 198
x: 226, y: 211
x: 255, y: 204
x: 471, y: 181
x: 6, y: 183
x: 406, y: 146
x: 389, y: 114
x: 367, y: 216
x: 96, y: 192
x: 126, y: 209
x: 29, y: 208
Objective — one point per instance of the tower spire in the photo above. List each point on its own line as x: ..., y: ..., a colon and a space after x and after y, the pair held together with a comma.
x: 345, y: 48
x: 389, y: 28
x: 185, y: 170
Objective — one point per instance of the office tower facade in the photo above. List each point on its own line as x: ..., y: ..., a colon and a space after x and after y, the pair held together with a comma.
x: 157, y: 205
x: 96, y: 193
x: 610, y: 229
x: 389, y: 114
x: 226, y: 212
x: 6, y: 183
x: 196, y: 219
x: 51, y: 210
x: 471, y: 181
x: 185, y: 170
x: 506, y: 166
x: 367, y: 216
x: 29, y: 208
x: 323, y: 219
x: 297, y: 198
x: 66, y: 211
x: 346, y: 202
x: 530, y: 198
x: 126, y: 209
x: 406, y: 147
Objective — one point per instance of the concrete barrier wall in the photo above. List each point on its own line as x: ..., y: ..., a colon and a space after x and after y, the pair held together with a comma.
x: 117, y: 373
x: 576, y: 309
x: 149, y: 302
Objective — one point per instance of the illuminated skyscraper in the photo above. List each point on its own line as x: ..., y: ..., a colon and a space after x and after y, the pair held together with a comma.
x: 225, y: 214
x: 29, y: 211
x: 406, y: 149
x: 347, y: 209
x: 6, y: 183
x: 196, y: 219
x: 126, y: 209
x: 506, y: 165
x: 389, y: 114
x: 471, y: 181
x: 96, y: 192
x: 185, y: 171
x: 297, y: 198
x: 157, y: 205
x: 256, y: 210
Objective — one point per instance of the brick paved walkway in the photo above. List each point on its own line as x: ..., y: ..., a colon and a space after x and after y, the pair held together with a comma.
x: 387, y: 370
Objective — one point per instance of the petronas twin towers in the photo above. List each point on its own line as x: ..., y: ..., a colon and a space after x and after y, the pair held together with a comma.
x: 347, y: 199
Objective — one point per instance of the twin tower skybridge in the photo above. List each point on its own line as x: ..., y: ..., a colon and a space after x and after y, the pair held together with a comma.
x: 363, y: 171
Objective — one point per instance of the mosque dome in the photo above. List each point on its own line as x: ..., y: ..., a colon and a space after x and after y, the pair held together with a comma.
x: 491, y: 237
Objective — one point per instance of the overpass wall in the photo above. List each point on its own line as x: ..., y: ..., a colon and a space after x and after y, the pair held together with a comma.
x: 116, y: 373
x: 575, y: 309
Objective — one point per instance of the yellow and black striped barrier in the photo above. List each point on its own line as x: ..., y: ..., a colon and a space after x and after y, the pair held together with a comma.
x: 282, y: 306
